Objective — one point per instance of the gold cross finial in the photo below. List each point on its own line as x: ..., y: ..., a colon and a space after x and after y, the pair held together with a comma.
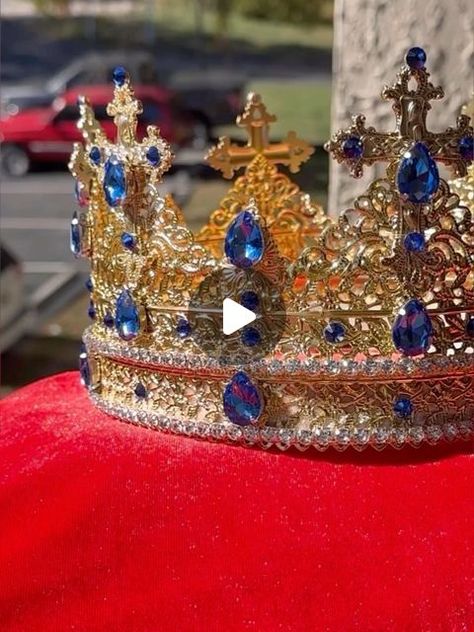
x: 229, y: 157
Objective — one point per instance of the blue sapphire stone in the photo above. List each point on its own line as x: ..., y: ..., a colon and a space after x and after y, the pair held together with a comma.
x: 418, y: 176
x: 127, y: 317
x: 84, y: 368
x: 119, y: 76
x: 89, y: 285
x: 140, y: 391
x: 412, y: 329
x: 414, y: 242
x: 75, y: 235
x: 109, y: 320
x: 353, y: 147
x: 250, y: 337
x: 334, y: 332
x: 416, y: 58
x: 250, y: 300
x: 128, y: 241
x: 244, y: 244
x: 243, y: 403
x: 115, y: 185
x: 466, y: 148
x: 91, y: 310
x: 183, y: 328
x: 470, y: 326
x: 403, y: 406
x: 95, y: 155
x: 153, y: 156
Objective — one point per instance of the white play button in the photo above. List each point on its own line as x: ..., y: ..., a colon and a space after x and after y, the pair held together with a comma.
x: 235, y: 316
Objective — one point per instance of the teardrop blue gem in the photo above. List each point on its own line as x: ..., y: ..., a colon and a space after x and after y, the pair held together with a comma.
x: 412, y: 329
x: 127, y: 317
x: 418, y: 175
x: 243, y: 403
x: 115, y: 185
x: 75, y: 235
x: 244, y: 244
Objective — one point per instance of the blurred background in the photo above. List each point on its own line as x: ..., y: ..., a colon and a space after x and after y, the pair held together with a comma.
x: 192, y: 63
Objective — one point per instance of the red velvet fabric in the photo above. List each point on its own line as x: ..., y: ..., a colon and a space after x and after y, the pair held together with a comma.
x: 106, y: 526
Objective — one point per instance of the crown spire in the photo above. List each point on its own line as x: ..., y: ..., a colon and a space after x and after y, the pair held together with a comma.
x: 229, y: 157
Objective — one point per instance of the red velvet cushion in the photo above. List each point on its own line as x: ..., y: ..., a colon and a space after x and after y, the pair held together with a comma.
x: 105, y: 526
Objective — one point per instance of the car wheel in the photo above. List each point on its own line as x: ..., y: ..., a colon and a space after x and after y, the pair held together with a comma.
x: 15, y: 161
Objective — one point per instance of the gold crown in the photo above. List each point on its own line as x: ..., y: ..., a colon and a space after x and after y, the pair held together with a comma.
x: 366, y: 328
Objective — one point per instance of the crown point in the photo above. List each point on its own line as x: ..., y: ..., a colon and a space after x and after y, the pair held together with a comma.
x: 416, y: 58
x: 119, y: 76
x: 243, y: 403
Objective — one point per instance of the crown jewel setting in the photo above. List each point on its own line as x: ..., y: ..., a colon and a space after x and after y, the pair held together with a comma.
x: 377, y: 342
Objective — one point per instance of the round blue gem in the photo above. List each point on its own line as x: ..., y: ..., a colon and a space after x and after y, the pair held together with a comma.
x: 470, y: 326
x: 91, y: 310
x: 402, y: 406
x: 183, y: 328
x: 108, y: 320
x: 127, y: 316
x: 84, y: 368
x: 414, y: 242
x: 119, y: 76
x: 75, y: 235
x: 418, y: 176
x: 416, y: 58
x: 412, y: 329
x: 353, y: 147
x: 128, y: 241
x: 466, y: 148
x: 243, y: 403
x: 89, y: 285
x: 153, y: 156
x: 334, y: 332
x: 250, y: 337
x: 115, y: 185
x: 140, y: 391
x: 244, y: 244
x: 95, y: 155
x: 249, y: 300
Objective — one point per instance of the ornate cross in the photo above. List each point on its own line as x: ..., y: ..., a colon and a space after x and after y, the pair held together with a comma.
x: 359, y: 145
x: 229, y: 157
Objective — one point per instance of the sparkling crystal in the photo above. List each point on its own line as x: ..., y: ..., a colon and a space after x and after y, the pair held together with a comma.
x: 414, y: 242
x: 249, y: 300
x: 244, y: 244
x: 353, y: 147
x: 470, y: 326
x: 183, y: 328
x: 84, y: 368
x: 466, y: 148
x: 412, y: 329
x: 75, y: 235
x: 153, y: 156
x: 119, y: 76
x: 108, y: 320
x: 95, y: 155
x: 115, y: 186
x: 80, y: 193
x: 334, y: 332
x: 243, y: 403
x: 128, y: 241
x: 250, y: 337
x: 417, y: 176
x: 140, y: 391
x: 127, y: 317
x: 416, y: 58
x: 402, y: 406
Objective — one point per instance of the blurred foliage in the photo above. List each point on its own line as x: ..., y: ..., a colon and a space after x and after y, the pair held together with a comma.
x: 58, y: 7
x: 291, y: 11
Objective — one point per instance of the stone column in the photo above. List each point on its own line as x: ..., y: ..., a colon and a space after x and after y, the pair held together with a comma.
x: 371, y: 38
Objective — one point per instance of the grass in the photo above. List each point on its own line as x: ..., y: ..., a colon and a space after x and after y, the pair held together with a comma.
x: 303, y: 106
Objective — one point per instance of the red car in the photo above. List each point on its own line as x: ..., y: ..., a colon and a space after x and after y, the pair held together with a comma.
x: 47, y: 134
